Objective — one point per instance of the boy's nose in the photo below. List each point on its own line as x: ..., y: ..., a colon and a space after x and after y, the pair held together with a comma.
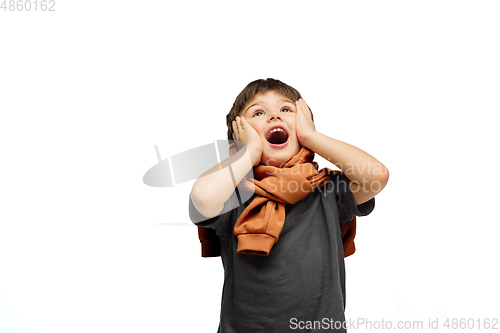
x: 274, y: 116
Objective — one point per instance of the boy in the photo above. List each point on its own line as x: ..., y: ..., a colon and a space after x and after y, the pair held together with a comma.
x: 282, y: 250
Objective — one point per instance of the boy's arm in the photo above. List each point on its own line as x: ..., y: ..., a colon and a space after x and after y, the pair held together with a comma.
x: 214, y: 187
x: 367, y: 175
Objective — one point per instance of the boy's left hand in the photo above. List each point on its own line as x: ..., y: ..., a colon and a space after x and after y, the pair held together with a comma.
x: 304, y: 124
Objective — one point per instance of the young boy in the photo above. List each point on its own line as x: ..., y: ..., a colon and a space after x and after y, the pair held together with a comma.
x: 282, y: 249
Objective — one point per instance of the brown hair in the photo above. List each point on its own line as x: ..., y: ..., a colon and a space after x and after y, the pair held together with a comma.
x: 251, y: 90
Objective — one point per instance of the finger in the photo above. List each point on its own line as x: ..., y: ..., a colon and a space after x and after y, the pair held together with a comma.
x: 235, y: 130
x: 305, y: 107
x: 245, y: 124
x: 238, y: 123
x: 299, y: 106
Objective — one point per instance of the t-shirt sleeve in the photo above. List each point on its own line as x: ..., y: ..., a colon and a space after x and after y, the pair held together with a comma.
x: 346, y: 205
x: 216, y: 221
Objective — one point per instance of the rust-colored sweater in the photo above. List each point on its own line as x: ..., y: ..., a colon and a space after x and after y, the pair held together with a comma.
x: 260, y: 224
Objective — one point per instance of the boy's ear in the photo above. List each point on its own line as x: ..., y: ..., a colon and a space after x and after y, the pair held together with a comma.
x: 233, y: 149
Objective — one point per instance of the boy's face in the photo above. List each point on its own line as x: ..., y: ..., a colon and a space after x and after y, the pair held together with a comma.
x: 272, y: 115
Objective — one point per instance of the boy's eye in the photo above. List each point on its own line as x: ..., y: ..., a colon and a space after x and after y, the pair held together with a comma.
x: 257, y: 113
x: 287, y: 109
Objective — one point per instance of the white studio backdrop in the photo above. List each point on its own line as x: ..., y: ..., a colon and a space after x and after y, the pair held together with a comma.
x: 87, y: 90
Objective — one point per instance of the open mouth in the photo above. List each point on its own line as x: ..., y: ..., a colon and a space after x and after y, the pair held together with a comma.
x: 277, y: 136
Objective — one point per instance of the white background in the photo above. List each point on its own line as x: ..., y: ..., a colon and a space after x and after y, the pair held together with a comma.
x: 88, y: 90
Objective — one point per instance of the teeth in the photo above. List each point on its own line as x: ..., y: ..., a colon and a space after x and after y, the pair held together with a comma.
x: 276, y: 130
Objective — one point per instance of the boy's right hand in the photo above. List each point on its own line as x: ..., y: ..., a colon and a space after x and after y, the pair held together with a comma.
x: 244, y: 132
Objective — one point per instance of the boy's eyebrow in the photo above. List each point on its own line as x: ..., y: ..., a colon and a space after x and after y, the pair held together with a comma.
x: 250, y: 107
x: 286, y: 100
x: 256, y: 103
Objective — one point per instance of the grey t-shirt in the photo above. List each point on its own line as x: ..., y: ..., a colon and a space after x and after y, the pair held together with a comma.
x: 301, y: 283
